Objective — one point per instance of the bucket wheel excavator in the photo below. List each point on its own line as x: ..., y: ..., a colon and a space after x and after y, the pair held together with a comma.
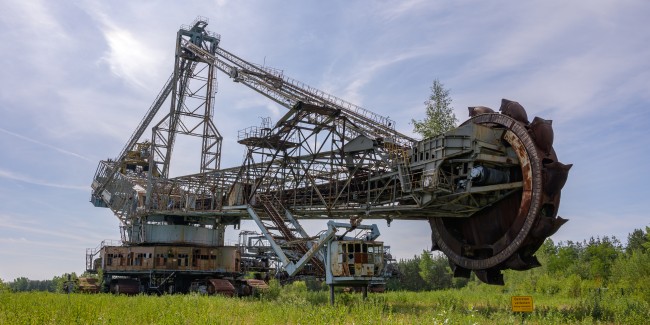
x: 489, y: 189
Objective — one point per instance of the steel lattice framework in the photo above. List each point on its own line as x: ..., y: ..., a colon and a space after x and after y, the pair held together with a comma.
x: 327, y: 158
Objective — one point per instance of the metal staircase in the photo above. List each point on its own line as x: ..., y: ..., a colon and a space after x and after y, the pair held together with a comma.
x: 286, y: 229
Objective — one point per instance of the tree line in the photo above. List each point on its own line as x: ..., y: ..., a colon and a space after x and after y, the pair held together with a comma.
x: 569, y: 268
x: 56, y: 284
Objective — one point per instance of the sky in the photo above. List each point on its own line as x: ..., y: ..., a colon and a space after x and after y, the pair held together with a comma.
x: 77, y: 77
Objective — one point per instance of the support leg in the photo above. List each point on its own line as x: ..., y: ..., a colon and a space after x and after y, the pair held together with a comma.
x: 364, y: 290
x: 332, y: 294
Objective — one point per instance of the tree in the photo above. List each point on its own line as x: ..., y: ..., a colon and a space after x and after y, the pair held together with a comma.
x: 409, y: 278
x: 4, y: 287
x: 426, y: 268
x: 635, y: 241
x: 647, y: 237
x: 600, y: 255
x: 565, y: 258
x: 632, y: 272
x: 20, y: 284
x: 440, y: 115
x: 435, y: 271
x: 68, y: 282
x: 24, y: 284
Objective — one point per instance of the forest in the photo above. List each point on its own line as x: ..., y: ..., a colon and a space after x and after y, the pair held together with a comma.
x: 568, y: 269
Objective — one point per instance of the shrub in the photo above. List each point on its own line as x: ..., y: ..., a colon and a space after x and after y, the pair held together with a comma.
x: 273, y: 292
x: 572, y: 286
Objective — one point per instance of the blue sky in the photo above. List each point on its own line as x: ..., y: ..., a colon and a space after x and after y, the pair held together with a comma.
x: 78, y: 76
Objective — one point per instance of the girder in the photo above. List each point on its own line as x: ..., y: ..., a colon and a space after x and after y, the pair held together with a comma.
x: 288, y: 92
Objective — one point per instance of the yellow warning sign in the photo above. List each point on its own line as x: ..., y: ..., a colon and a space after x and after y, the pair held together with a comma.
x: 522, y: 304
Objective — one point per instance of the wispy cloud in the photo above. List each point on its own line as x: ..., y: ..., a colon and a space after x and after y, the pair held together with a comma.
x: 37, y: 31
x: 367, y: 71
x: 128, y: 56
x: 584, y: 59
x: 26, y: 179
x: 29, y: 230
x: 131, y: 55
x: 22, y: 242
x: 35, y: 19
x: 63, y: 151
x: 391, y: 10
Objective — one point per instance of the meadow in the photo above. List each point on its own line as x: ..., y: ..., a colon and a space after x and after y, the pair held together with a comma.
x: 294, y: 304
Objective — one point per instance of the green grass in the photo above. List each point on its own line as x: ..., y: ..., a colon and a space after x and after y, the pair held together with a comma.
x: 295, y: 305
